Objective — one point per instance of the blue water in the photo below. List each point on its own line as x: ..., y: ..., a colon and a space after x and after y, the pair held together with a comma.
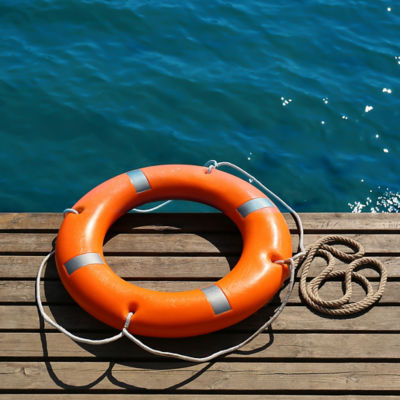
x: 304, y: 95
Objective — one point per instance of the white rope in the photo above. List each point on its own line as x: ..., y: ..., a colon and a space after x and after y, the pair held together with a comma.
x: 70, y: 210
x: 219, y: 353
x: 146, y: 210
x: 152, y: 350
x: 290, y: 261
x: 211, y: 164
x: 214, y: 164
x: 57, y: 326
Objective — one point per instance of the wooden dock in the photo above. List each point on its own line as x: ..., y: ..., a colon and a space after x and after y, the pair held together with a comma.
x: 303, y: 356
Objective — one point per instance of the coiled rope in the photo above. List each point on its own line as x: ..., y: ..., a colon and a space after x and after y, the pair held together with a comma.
x: 323, y: 248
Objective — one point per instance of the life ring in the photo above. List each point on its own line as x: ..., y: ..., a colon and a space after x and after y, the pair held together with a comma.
x: 247, y: 287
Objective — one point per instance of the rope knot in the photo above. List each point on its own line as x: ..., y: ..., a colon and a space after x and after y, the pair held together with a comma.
x: 211, y: 164
x: 324, y: 248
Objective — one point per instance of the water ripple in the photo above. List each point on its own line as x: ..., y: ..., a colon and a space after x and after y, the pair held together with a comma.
x: 306, y: 96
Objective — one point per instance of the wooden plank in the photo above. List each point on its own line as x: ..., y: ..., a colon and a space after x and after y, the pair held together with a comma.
x: 305, y: 346
x: 208, y: 222
x: 293, y: 318
x: 135, y: 267
x: 332, y: 356
x: 153, y: 222
x: 54, y: 292
x: 226, y: 376
x: 161, y: 267
x: 180, y: 243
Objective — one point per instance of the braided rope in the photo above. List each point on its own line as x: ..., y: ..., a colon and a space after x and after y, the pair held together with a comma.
x: 323, y: 248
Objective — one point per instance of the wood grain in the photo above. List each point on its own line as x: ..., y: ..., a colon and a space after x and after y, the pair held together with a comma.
x: 219, y: 376
x: 293, y: 318
x: 181, y: 243
x: 54, y: 292
x: 163, y: 267
x: 303, y: 356
x: 208, y: 222
x: 305, y: 346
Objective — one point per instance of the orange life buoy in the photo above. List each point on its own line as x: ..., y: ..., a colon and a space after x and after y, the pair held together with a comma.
x: 247, y: 287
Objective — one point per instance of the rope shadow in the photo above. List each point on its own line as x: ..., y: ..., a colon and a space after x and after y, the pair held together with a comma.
x: 59, y: 382
x: 171, y: 388
x: 158, y: 364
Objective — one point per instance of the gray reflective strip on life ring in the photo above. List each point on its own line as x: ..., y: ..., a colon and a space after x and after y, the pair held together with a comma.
x: 82, y: 260
x: 217, y: 299
x: 139, y: 180
x: 254, y: 205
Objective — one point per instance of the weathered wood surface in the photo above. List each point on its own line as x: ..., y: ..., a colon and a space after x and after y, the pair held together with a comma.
x: 224, y: 375
x: 181, y: 243
x: 333, y: 222
x: 53, y: 292
x: 303, y: 356
x: 158, y: 267
x: 299, y: 346
x: 296, y: 318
